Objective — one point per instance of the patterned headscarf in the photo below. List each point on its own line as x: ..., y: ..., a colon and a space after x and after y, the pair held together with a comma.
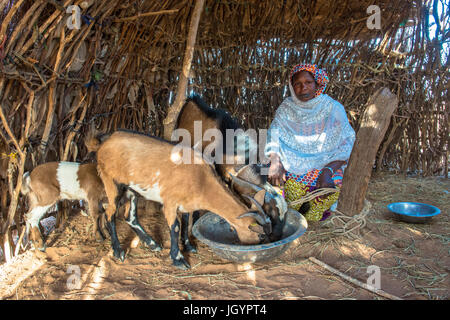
x: 320, y: 76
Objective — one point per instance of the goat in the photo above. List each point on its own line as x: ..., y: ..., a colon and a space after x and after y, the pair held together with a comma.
x: 53, y: 181
x: 151, y: 167
x: 245, y: 179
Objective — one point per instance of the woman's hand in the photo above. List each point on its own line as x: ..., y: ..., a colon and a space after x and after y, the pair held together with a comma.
x: 325, y: 179
x: 277, y: 173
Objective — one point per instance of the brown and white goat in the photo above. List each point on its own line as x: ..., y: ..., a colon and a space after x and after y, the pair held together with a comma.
x: 153, y: 168
x: 53, y: 181
x: 244, y: 177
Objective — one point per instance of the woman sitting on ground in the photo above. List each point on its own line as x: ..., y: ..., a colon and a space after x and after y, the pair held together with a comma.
x: 309, y: 142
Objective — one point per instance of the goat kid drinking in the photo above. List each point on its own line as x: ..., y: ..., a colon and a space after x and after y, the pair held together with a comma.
x: 53, y: 181
x: 150, y: 167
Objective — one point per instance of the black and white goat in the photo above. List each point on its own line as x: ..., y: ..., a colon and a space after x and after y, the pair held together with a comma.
x: 51, y: 182
x: 155, y: 169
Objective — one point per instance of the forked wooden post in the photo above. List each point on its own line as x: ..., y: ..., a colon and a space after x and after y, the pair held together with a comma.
x: 174, y: 109
x: 374, y: 124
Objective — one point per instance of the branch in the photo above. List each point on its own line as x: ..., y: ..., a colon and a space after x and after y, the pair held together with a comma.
x: 353, y: 280
x: 57, y: 5
x: 140, y: 15
x: 10, y: 133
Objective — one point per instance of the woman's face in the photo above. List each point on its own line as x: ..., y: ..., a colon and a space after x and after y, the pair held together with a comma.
x: 304, y: 85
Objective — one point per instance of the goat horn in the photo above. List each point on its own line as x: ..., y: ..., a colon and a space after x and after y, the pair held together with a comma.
x: 255, y: 215
x: 264, y: 219
x: 256, y: 203
x: 244, y: 184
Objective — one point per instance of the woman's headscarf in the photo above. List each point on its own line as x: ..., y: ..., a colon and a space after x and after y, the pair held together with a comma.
x: 320, y: 76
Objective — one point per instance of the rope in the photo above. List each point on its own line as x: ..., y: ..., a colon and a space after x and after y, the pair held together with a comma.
x: 345, y: 225
x: 342, y: 224
x: 312, y: 195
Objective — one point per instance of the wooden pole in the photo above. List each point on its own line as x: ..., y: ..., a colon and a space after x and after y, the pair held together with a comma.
x: 374, y: 124
x: 76, y: 126
x: 52, y: 98
x: 174, y: 109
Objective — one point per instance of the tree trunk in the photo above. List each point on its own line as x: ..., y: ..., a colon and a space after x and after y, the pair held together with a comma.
x: 374, y: 124
x: 174, y: 109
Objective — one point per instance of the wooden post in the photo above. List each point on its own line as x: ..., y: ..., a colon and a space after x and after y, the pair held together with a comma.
x: 374, y: 124
x: 48, y: 122
x: 174, y: 109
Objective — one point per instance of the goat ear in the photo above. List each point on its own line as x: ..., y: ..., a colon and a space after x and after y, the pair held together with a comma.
x: 244, y: 187
x: 256, y: 228
x: 259, y: 197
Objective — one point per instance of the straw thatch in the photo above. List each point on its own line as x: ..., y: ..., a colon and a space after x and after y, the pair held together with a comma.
x: 121, y: 68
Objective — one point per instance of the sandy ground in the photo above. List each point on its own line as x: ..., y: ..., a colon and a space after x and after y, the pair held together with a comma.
x: 413, y: 259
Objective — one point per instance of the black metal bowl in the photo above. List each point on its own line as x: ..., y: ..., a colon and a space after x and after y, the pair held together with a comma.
x: 413, y: 212
x: 215, y: 232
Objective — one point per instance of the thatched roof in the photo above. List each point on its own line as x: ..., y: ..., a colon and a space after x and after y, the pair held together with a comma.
x: 126, y: 58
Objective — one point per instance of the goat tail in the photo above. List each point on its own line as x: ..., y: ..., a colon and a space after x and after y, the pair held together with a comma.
x: 94, y: 139
x: 26, y: 180
x: 92, y: 144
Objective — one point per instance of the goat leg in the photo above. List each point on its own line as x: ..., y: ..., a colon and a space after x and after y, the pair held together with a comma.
x: 112, y: 193
x: 99, y: 235
x: 62, y: 215
x: 133, y: 222
x: 177, y: 257
x: 33, y: 218
x: 119, y: 253
x: 187, y: 245
x: 96, y: 219
x: 100, y: 222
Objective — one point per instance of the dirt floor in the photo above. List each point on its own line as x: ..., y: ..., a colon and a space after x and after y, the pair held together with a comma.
x: 413, y: 259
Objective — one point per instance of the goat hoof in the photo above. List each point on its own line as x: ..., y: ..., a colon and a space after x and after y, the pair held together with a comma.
x: 120, y: 255
x: 156, y: 248
x: 36, y: 246
x: 99, y: 237
x: 181, y: 264
x: 190, y: 248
